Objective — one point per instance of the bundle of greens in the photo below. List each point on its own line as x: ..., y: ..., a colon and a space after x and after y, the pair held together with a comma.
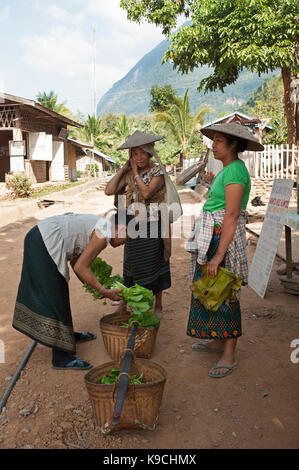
x: 114, y: 377
x: 141, y: 301
x: 102, y: 272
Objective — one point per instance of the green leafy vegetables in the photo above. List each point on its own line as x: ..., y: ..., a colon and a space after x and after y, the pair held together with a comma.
x: 114, y: 377
x: 141, y: 301
x: 102, y: 272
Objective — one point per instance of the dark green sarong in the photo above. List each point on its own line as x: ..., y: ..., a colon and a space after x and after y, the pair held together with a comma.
x: 42, y: 309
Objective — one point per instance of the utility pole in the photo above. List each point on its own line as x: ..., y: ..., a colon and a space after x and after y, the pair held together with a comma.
x: 94, y: 70
x: 94, y: 90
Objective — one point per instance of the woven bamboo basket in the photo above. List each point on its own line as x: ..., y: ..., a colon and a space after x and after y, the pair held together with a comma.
x: 142, y: 402
x: 115, y: 337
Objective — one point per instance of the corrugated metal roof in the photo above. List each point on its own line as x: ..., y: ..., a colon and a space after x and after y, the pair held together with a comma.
x: 97, y: 152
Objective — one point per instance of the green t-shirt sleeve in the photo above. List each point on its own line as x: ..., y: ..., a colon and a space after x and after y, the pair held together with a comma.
x: 235, y: 174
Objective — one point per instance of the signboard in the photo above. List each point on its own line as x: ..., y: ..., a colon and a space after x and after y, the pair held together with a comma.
x: 270, y: 235
x: 40, y: 146
x: 17, y: 148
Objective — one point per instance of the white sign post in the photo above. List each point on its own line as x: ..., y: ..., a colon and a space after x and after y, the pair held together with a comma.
x: 270, y: 235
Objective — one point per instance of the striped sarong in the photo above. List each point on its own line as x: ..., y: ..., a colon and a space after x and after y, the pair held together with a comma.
x: 144, y: 262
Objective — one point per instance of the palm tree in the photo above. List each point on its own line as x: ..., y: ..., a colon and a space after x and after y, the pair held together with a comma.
x: 50, y: 101
x: 123, y: 129
x: 181, y: 124
x: 94, y: 133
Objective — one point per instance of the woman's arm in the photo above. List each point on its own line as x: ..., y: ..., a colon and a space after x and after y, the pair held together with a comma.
x: 118, y: 181
x: 233, y: 199
x: 82, y: 271
x: 147, y: 190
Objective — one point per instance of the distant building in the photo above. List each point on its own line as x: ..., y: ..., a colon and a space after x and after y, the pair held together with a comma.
x: 91, y: 156
x: 33, y: 140
x: 257, y: 126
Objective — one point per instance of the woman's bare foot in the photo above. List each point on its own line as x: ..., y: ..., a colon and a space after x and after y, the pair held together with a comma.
x: 216, y: 343
x: 158, y: 310
x: 227, y: 363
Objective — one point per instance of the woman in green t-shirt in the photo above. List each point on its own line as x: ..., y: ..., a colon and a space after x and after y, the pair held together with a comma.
x: 219, y: 239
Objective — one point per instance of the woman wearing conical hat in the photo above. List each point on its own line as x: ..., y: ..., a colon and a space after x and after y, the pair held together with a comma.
x: 219, y: 239
x: 141, y: 182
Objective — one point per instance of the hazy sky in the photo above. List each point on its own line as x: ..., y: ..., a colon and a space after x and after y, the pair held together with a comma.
x: 48, y: 45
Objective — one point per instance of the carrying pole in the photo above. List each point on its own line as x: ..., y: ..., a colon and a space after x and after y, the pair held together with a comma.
x: 124, y: 376
x: 17, y: 374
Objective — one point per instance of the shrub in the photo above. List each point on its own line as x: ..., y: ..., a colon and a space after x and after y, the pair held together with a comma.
x: 19, y: 184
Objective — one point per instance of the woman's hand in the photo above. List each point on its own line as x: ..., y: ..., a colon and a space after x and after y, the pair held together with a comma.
x: 213, y: 264
x: 134, y: 167
x: 111, y: 294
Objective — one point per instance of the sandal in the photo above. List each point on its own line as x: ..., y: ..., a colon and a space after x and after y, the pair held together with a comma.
x: 85, y: 336
x: 224, y: 374
x: 204, y: 347
x: 76, y: 364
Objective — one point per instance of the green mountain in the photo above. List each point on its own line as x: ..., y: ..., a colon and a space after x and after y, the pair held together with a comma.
x: 131, y: 94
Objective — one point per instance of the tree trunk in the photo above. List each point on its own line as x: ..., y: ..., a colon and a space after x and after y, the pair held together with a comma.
x: 296, y: 97
x: 289, y: 106
x: 181, y: 160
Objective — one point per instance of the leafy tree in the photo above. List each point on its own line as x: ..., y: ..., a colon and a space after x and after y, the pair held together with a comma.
x: 162, y: 96
x: 267, y: 102
x: 260, y: 35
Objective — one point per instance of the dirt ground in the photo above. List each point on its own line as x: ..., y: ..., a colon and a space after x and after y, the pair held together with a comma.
x: 256, y: 407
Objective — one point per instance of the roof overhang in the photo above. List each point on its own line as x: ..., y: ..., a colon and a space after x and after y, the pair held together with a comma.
x: 100, y: 154
x: 6, y: 99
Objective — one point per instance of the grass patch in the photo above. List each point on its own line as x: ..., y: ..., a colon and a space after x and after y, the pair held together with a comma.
x: 53, y: 189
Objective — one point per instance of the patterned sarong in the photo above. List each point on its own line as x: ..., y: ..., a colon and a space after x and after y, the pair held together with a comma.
x: 226, y: 321
x: 42, y: 309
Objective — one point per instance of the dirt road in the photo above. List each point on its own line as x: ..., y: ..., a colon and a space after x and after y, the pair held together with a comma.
x: 257, y: 406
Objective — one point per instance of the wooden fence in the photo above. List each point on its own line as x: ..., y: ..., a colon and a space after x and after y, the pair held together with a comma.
x: 276, y: 161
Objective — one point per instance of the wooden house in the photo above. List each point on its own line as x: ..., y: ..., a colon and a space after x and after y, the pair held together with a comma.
x: 33, y: 139
x: 94, y: 156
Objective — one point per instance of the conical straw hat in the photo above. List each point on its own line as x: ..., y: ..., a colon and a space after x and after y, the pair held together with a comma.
x: 234, y: 129
x: 138, y: 139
